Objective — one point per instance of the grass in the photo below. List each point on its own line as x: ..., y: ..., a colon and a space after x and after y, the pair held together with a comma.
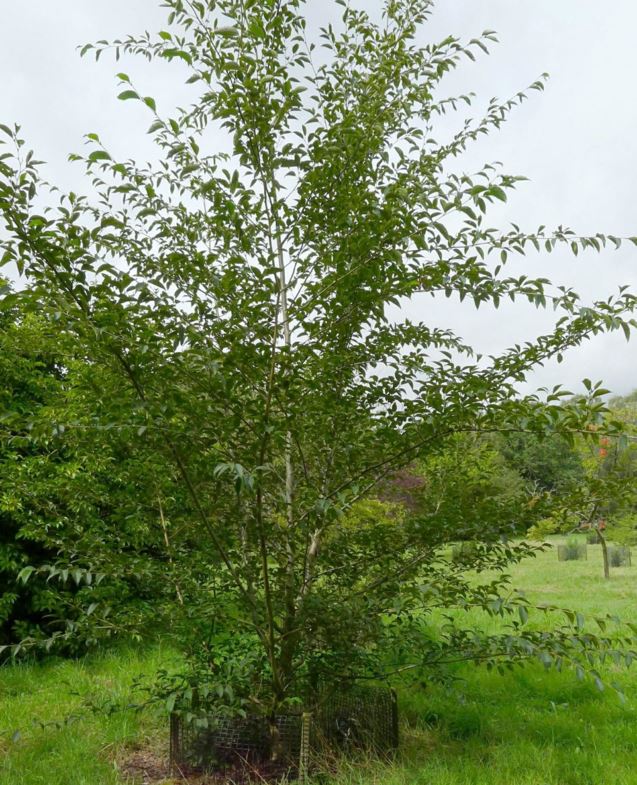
x: 37, y: 745
x: 528, y: 727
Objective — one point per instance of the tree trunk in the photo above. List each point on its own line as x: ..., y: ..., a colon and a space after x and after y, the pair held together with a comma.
x: 602, y: 542
x: 276, y: 742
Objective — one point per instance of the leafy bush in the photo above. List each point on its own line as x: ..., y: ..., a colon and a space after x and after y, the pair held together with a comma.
x: 543, y: 528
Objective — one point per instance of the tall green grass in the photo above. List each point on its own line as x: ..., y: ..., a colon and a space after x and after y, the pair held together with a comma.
x: 47, y: 734
x: 528, y: 727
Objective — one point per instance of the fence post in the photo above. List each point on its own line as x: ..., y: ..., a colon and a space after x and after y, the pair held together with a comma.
x: 304, y: 753
x: 394, y: 719
x: 175, y: 744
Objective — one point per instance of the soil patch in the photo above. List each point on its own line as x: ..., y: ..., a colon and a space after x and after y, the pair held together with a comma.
x: 148, y: 766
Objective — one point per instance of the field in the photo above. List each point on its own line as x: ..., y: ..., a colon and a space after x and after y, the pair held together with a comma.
x: 528, y: 727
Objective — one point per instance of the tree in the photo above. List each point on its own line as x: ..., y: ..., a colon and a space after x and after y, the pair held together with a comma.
x: 470, y: 482
x: 551, y: 464
x: 29, y: 379
x: 63, y: 499
x: 623, y: 462
x: 233, y: 312
x: 606, y: 493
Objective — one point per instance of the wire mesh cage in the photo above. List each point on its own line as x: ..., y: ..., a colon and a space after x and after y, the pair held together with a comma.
x: 619, y: 556
x: 242, y: 743
x: 572, y: 551
x: 464, y: 552
x: 592, y: 538
x: 361, y: 718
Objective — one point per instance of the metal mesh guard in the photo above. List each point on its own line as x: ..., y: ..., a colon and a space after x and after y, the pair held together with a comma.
x: 362, y: 718
x: 619, y: 556
x: 573, y: 552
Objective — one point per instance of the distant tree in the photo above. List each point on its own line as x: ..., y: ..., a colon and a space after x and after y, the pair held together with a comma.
x: 550, y: 463
x: 603, y: 499
x: 470, y: 482
x: 234, y: 312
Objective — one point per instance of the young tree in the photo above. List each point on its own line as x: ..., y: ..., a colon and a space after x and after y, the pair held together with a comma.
x: 234, y: 312
x: 605, y: 494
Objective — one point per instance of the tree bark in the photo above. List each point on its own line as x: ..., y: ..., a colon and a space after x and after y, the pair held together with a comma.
x: 602, y: 542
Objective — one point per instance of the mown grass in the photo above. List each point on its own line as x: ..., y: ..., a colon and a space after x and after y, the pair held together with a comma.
x: 529, y: 727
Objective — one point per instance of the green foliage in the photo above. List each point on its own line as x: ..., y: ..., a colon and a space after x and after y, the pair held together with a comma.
x: 29, y: 380
x: 623, y: 528
x: 230, y: 362
x: 543, y: 528
x: 550, y: 463
x: 77, y: 543
x: 463, y: 553
x: 470, y: 482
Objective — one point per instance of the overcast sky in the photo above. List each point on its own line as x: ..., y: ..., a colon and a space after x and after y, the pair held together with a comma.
x: 577, y: 142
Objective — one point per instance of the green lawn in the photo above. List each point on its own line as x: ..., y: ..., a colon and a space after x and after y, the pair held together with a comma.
x: 526, y: 728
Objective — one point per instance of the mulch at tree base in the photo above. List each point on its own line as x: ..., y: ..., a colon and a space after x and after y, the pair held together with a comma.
x: 149, y: 767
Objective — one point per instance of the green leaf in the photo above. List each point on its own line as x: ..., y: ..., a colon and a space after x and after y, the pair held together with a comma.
x: 25, y: 573
x: 498, y: 192
x: 99, y: 155
x: 170, y: 54
x: 127, y: 95
x: 227, y: 32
